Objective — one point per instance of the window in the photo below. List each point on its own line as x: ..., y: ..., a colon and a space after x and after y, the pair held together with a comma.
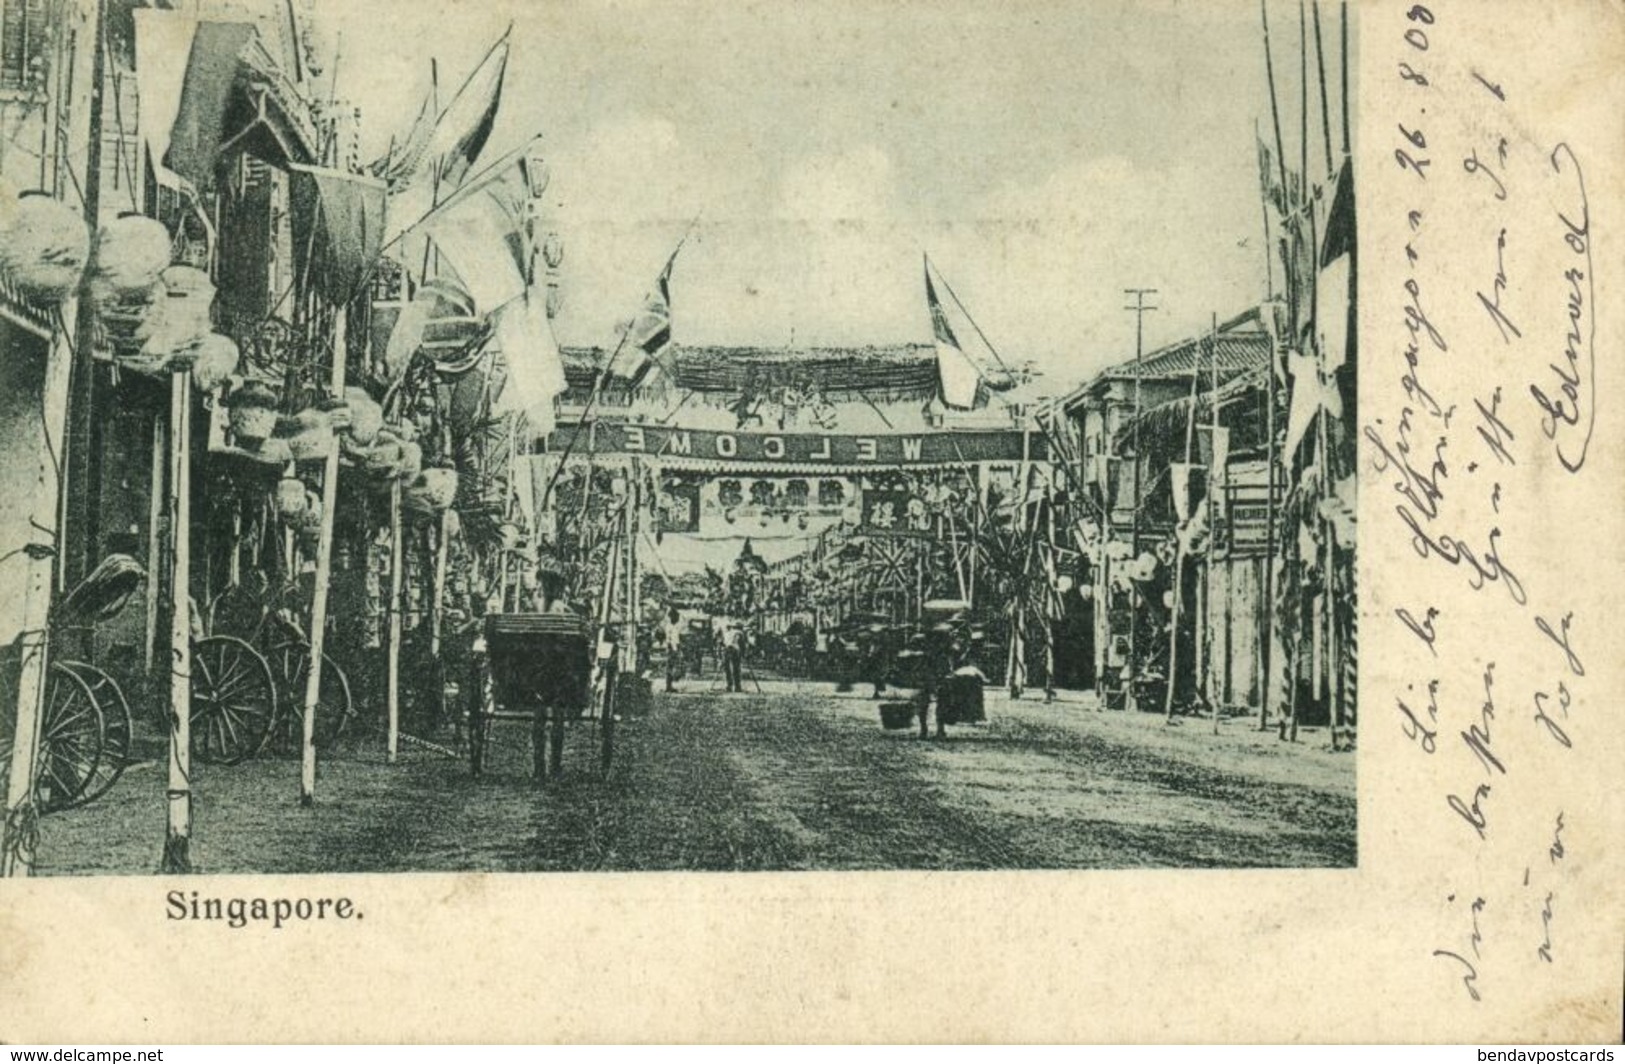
x: 23, y: 40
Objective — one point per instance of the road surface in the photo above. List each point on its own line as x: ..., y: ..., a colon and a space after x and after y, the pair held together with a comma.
x: 784, y: 778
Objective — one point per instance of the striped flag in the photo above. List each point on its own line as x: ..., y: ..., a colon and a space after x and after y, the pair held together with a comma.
x: 650, y: 332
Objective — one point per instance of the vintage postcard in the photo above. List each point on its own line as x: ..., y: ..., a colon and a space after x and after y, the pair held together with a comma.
x: 908, y: 522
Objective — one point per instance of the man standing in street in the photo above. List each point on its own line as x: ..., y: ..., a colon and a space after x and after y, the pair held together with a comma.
x: 733, y: 654
x: 674, y: 647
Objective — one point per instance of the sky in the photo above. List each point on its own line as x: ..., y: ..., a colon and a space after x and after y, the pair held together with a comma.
x: 1046, y: 155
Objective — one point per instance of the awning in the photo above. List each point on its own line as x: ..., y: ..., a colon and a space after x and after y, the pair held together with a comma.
x: 346, y: 212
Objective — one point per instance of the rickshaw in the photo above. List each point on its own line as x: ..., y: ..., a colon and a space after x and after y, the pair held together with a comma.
x: 544, y: 669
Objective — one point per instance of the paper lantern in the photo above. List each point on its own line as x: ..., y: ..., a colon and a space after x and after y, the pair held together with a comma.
x: 411, y: 462
x: 181, y: 317
x: 290, y: 496
x: 309, y: 434
x: 252, y: 412
x: 274, y: 451
x: 44, y: 245
x: 214, y: 359
x: 131, y: 251
x: 366, y: 416
x: 507, y: 534
x: 436, y: 488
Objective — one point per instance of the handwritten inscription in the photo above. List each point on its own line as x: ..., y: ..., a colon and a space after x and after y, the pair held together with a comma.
x: 1493, y: 315
x: 1569, y: 414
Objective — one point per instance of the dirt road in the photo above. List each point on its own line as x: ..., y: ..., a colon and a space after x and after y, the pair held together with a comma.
x: 786, y: 778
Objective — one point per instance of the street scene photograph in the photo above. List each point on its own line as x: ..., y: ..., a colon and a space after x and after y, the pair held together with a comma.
x: 601, y: 437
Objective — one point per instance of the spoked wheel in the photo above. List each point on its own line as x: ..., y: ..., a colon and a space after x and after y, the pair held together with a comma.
x: 291, y: 663
x: 117, y: 726
x: 233, y: 700
x: 70, y: 743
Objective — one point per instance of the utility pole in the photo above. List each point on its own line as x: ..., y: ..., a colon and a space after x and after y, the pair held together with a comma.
x: 1139, y: 308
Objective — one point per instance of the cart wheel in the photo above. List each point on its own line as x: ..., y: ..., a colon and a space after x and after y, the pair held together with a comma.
x: 117, y: 724
x: 289, y: 662
x: 70, y: 743
x: 233, y: 700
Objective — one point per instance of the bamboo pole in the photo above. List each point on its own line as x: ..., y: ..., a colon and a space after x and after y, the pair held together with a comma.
x: 1212, y: 486
x: 324, y: 572
x: 155, y: 542
x: 178, y: 830
x: 1051, y: 596
x: 18, y: 833
x: 1179, y: 547
x: 437, y: 593
x: 392, y: 667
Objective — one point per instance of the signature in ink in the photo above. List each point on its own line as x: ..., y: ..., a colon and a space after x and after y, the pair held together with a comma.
x: 1577, y: 373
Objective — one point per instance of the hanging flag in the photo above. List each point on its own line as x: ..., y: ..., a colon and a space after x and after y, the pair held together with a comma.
x: 535, y: 369
x: 650, y: 332
x: 442, y: 146
x: 1334, y: 288
x: 483, y: 234
x: 1312, y: 393
x: 959, y: 377
x: 200, y: 113
x: 1189, y: 483
x: 465, y: 125
x: 345, y: 214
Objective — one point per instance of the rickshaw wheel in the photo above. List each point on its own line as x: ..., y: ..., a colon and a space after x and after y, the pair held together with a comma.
x: 117, y: 726
x: 290, y: 662
x: 233, y: 700
x: 70, y: 743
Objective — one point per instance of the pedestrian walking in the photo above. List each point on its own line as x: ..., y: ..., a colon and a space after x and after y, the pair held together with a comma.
x: 674, y: 648
x: 733, y: 654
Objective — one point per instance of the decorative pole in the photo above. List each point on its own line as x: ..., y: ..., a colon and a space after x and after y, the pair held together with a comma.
x: 324, y: 573
x: 19, y: 830
x: 397, y: 564
x: 178, y: 831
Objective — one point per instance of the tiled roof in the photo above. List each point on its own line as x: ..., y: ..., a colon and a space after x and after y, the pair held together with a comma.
x: 889, y: 368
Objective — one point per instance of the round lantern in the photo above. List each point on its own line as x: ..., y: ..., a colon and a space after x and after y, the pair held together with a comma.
x: 44, y: 245
x: 309, y: 434
x: 214, y: 359
x: 366, y: 416
x: 131, y: 251
x: 274, y: 450
x: 508, y: 535
x: 252, y: 412
x: 436, y: 488
x: 411, y: 462
x: 290, y: 497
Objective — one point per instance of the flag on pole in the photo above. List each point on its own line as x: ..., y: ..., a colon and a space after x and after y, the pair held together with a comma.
x: 443, y: 145
x: 535, y: 368
x: 484, y: 235
x: 465, y: 125
x: 650, y: 332
x: 959, y: 376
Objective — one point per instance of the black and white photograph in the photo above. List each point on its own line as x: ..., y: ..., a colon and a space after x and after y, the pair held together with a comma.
x: 535, y: 438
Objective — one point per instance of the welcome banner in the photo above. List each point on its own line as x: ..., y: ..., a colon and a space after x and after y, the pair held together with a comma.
x: 796, y: 449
